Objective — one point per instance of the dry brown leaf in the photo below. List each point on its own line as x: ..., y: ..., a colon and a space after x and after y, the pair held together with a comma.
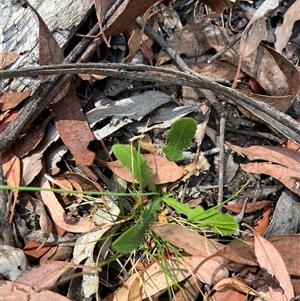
x: 154, y: 280
x: 288, y: 246
x: 237, y: 254
x: 189, y: 240
x: 9, y: 100
x: 31, y: 139
x: 16, y: 291
x: 33, y: 251
x: 263, y: 223
x: 228, y: 294
x: 284, y: 32
x: 191, y: 289
x: 236, y: 285
x: 31, y: 167
x: 251, y: 38
x: 12, y: 173
x: 250, y: 207
x: 11, y: 168
x: 270, y: 259
x: 144, y: 142
x: 217, y: 6
x: 210, y: 272
x: 58, y: 214
x: 8, y: 58
x: 135, y: 291
x: 57, y: 253
x: 45, y: 275
x: 125, y: 14
x: 146, y: 48
x: 164, y: 170
x: 73, y: 128
x: 7, y: 119
x: 49, y: 50
x: 136, y: 38
x: 288, y: 170
x: 254, y: 33
x: 288, y: 177
x: 84, y: 182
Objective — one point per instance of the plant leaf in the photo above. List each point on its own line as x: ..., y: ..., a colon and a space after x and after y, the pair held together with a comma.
x: 132, y: 238
x: 182, y: 131
x: 132, y: 160
x: 212, y: 218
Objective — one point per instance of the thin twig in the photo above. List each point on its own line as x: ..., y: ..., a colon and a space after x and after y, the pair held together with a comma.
x: 221, y: 142
x: 222, y: 51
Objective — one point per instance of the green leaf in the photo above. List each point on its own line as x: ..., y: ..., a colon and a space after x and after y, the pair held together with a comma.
x: 224, y: 224
x: 132, y: 160
x: 182, y: 131
x: 191, y: 214
x: 133, y: 237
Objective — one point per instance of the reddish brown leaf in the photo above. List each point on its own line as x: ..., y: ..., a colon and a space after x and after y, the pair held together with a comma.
x: 79, y: 225
x: 49, y: 50
x: 288, y: 246
x: 44, y: 275
x: 7, y: 119
x: 30, y: 140
x: 126, y: 14
x: 263, y: 223
x: 12, y: 172
x: 10, y: 100
x: 8, y: 58
x: 238, y: 253
x: 11, y: 168
x: 270, y: 259
x: 250, y: 207
x: 228, y: 294
x: 286, y: 176
x: 73, y: 127
x: 217, y: 6
x: 276, y: 154
x: 33, y: 252
x: 146, y: 48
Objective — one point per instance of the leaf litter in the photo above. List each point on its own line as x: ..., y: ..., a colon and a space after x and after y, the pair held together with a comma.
x: 86, y: 129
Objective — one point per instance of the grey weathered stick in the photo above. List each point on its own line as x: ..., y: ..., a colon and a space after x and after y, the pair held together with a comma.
x: 283, y: 123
